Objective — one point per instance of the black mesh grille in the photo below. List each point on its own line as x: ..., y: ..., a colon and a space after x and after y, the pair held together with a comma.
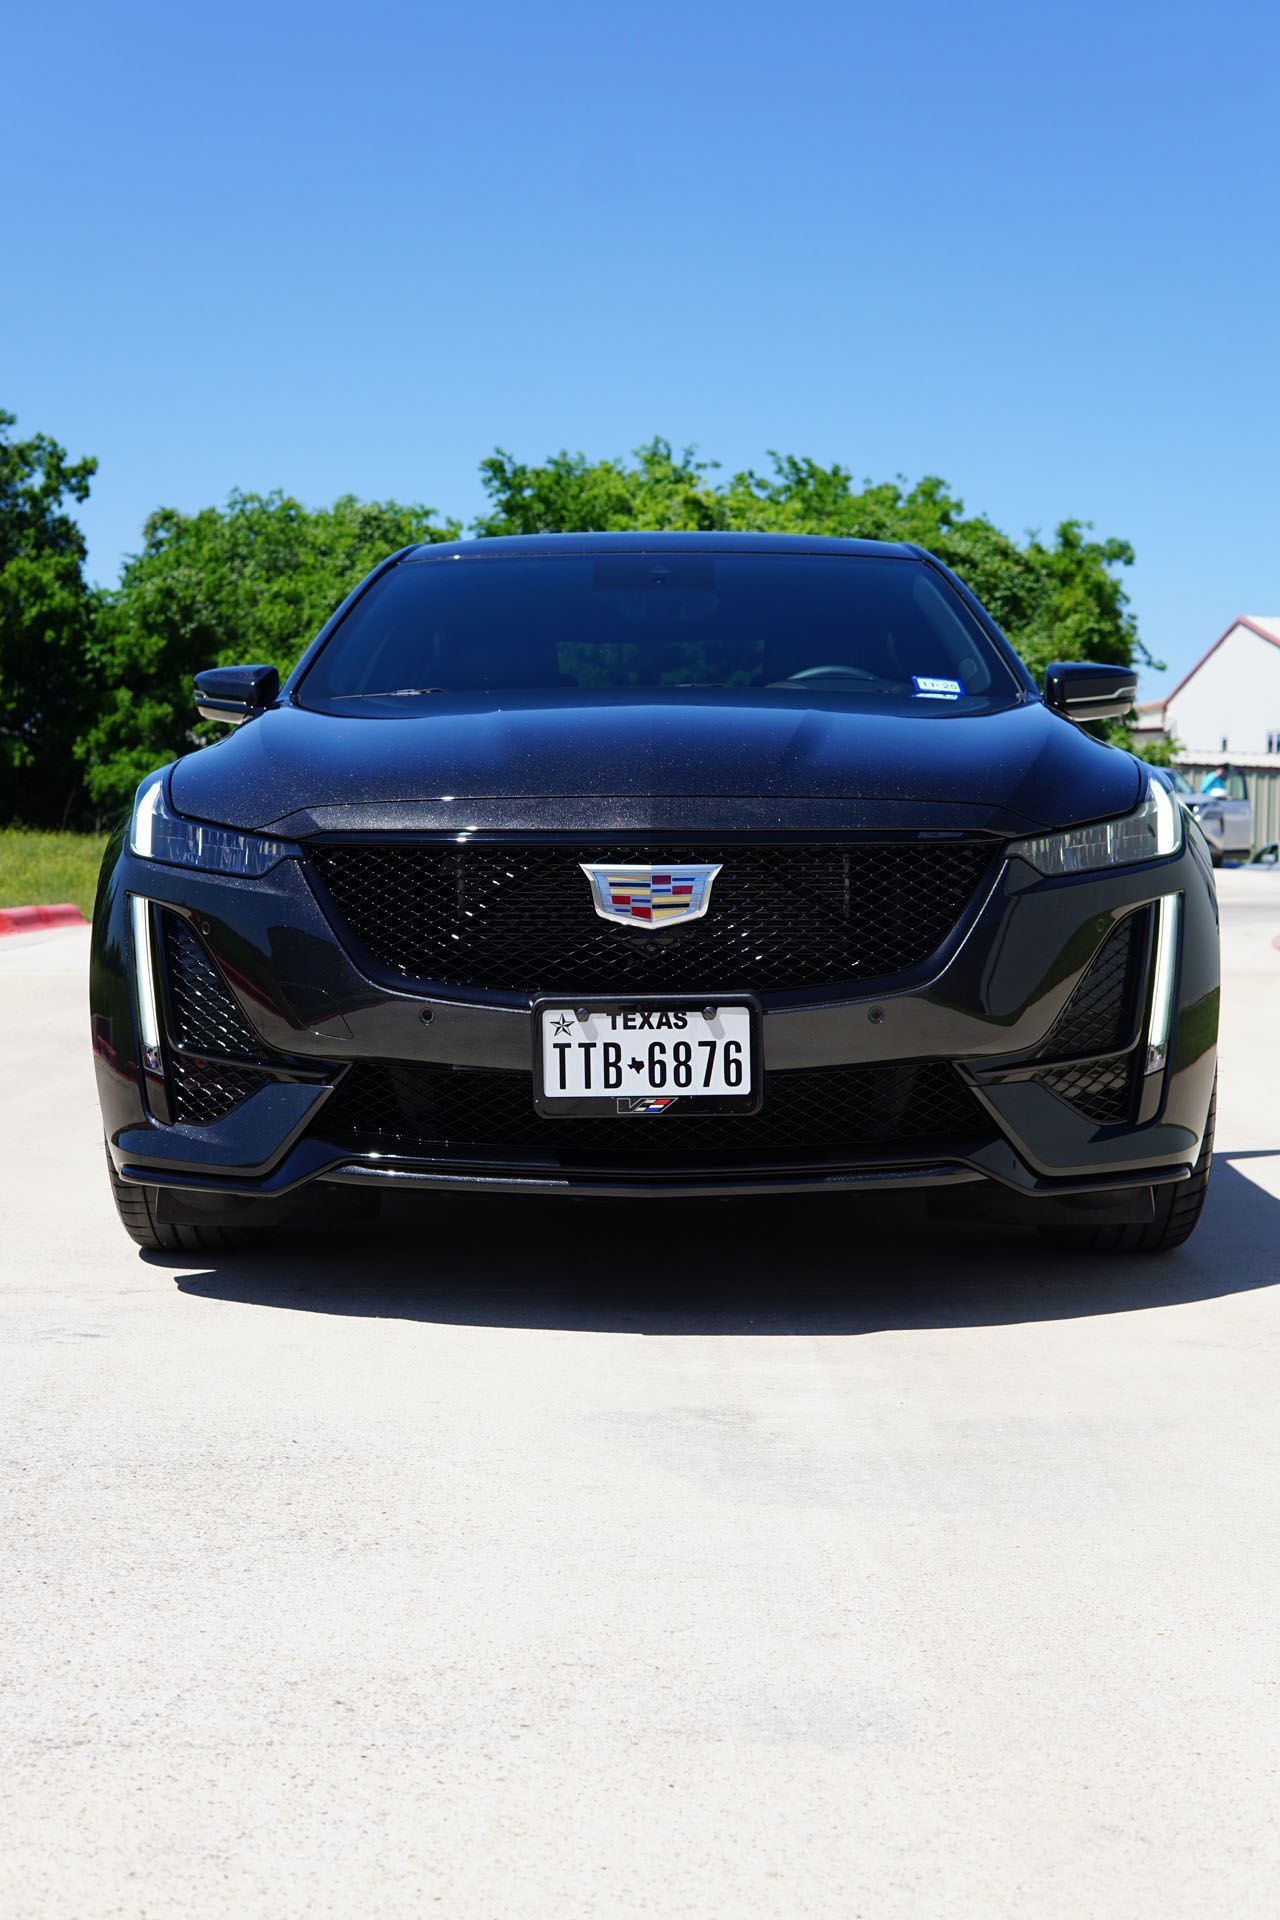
x: 1099, y: 1090
x: 203, y: 1015
x: 417, y: 1108
x: 208, y: 1090
x: 1101, y: 1012
x: 519, y: 918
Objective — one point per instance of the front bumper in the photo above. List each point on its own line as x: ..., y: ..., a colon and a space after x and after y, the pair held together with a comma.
x: 988, y: 1006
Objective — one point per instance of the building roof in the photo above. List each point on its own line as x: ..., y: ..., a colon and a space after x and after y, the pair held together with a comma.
x: 1265, y: 625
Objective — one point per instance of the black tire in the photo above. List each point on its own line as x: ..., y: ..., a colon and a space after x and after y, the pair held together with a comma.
x: 1178, y: 1210
x: 1215, y: 856
x: 137, y: 1209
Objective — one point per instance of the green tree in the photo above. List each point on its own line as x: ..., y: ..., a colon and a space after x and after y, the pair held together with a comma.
x: 251, y: 581
x: 1059, y: 600
x: 45, y: 620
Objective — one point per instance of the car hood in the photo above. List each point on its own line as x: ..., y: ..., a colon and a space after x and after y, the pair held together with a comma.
x: 688, y: 758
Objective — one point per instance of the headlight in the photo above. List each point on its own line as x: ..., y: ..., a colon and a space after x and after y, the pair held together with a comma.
x: 158, y: 834
x: 1151, y: 831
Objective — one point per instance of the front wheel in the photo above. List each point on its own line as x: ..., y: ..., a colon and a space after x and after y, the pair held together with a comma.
x: 1178, y: 1210
x: 137, y: 1209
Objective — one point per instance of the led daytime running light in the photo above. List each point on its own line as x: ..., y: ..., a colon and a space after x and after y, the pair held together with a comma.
x: 1168, y: 918
x: 144, y: 975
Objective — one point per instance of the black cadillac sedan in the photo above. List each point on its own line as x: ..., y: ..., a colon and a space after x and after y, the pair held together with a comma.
x: 645, y: 865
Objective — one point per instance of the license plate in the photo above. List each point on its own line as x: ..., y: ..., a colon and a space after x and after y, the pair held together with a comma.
x: 641, y: 1059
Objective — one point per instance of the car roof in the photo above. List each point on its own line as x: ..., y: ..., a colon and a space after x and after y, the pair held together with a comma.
x: 512, y: 546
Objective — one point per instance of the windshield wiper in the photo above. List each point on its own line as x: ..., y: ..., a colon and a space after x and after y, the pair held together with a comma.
x: 389, y: 693
x: 838, y: 686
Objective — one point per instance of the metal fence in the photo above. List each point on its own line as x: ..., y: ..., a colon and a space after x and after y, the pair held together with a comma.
x: 1262, y: 784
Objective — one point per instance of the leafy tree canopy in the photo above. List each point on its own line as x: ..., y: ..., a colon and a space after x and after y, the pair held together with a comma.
x: 1056, y: 601
x: 252, y: 581
x: 95, y: 688
x: 45, y: 618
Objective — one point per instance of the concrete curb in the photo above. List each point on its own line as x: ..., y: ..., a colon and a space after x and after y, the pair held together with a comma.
x: 30, y: 919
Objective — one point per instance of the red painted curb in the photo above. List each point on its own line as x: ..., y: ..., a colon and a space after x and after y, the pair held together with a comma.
x: 28, y: 919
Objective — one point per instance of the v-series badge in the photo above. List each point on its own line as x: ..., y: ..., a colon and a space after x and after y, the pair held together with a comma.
x: 937, y: 689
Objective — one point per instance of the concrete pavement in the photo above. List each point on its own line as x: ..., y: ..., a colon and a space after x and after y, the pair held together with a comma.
x: 761, y: 1560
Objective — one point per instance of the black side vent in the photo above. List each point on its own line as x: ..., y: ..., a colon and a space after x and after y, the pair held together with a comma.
x: 203, y: 1016
x: 208, y: 1090
x: 1100, y: 1090
x: 1100, y: 1018
x: 212, y: 1043
x: 1101, y: 1013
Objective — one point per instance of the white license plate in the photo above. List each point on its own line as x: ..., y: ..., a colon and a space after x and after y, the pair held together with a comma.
x: 632, y: 1055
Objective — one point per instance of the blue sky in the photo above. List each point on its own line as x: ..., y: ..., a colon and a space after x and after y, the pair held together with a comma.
x: 351, y: 249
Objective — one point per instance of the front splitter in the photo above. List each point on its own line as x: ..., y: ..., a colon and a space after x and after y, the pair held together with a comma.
x: 316, y: 1160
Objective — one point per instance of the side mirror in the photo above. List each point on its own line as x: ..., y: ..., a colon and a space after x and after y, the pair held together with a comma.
x: 231, y: 694
x: 1079, y: 690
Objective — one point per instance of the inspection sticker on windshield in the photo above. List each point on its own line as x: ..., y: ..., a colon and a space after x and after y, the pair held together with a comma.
x: 937, y: 689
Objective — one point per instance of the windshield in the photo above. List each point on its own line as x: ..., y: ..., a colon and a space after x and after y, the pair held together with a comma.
x: 877, y: 630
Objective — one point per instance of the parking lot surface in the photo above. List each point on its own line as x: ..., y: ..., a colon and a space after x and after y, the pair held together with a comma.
x: 516, y: 1558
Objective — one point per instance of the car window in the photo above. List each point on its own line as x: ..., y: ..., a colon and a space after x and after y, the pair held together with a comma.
x: 1235, y: 787
x: 883, y: 630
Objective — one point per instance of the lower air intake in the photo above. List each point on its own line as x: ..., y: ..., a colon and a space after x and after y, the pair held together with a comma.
x: 416, y: 1109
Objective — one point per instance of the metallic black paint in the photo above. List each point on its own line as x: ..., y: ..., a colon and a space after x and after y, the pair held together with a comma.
x: 1015, y: 772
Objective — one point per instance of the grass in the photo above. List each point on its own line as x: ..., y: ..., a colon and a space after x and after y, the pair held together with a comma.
x: 41, y: 869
